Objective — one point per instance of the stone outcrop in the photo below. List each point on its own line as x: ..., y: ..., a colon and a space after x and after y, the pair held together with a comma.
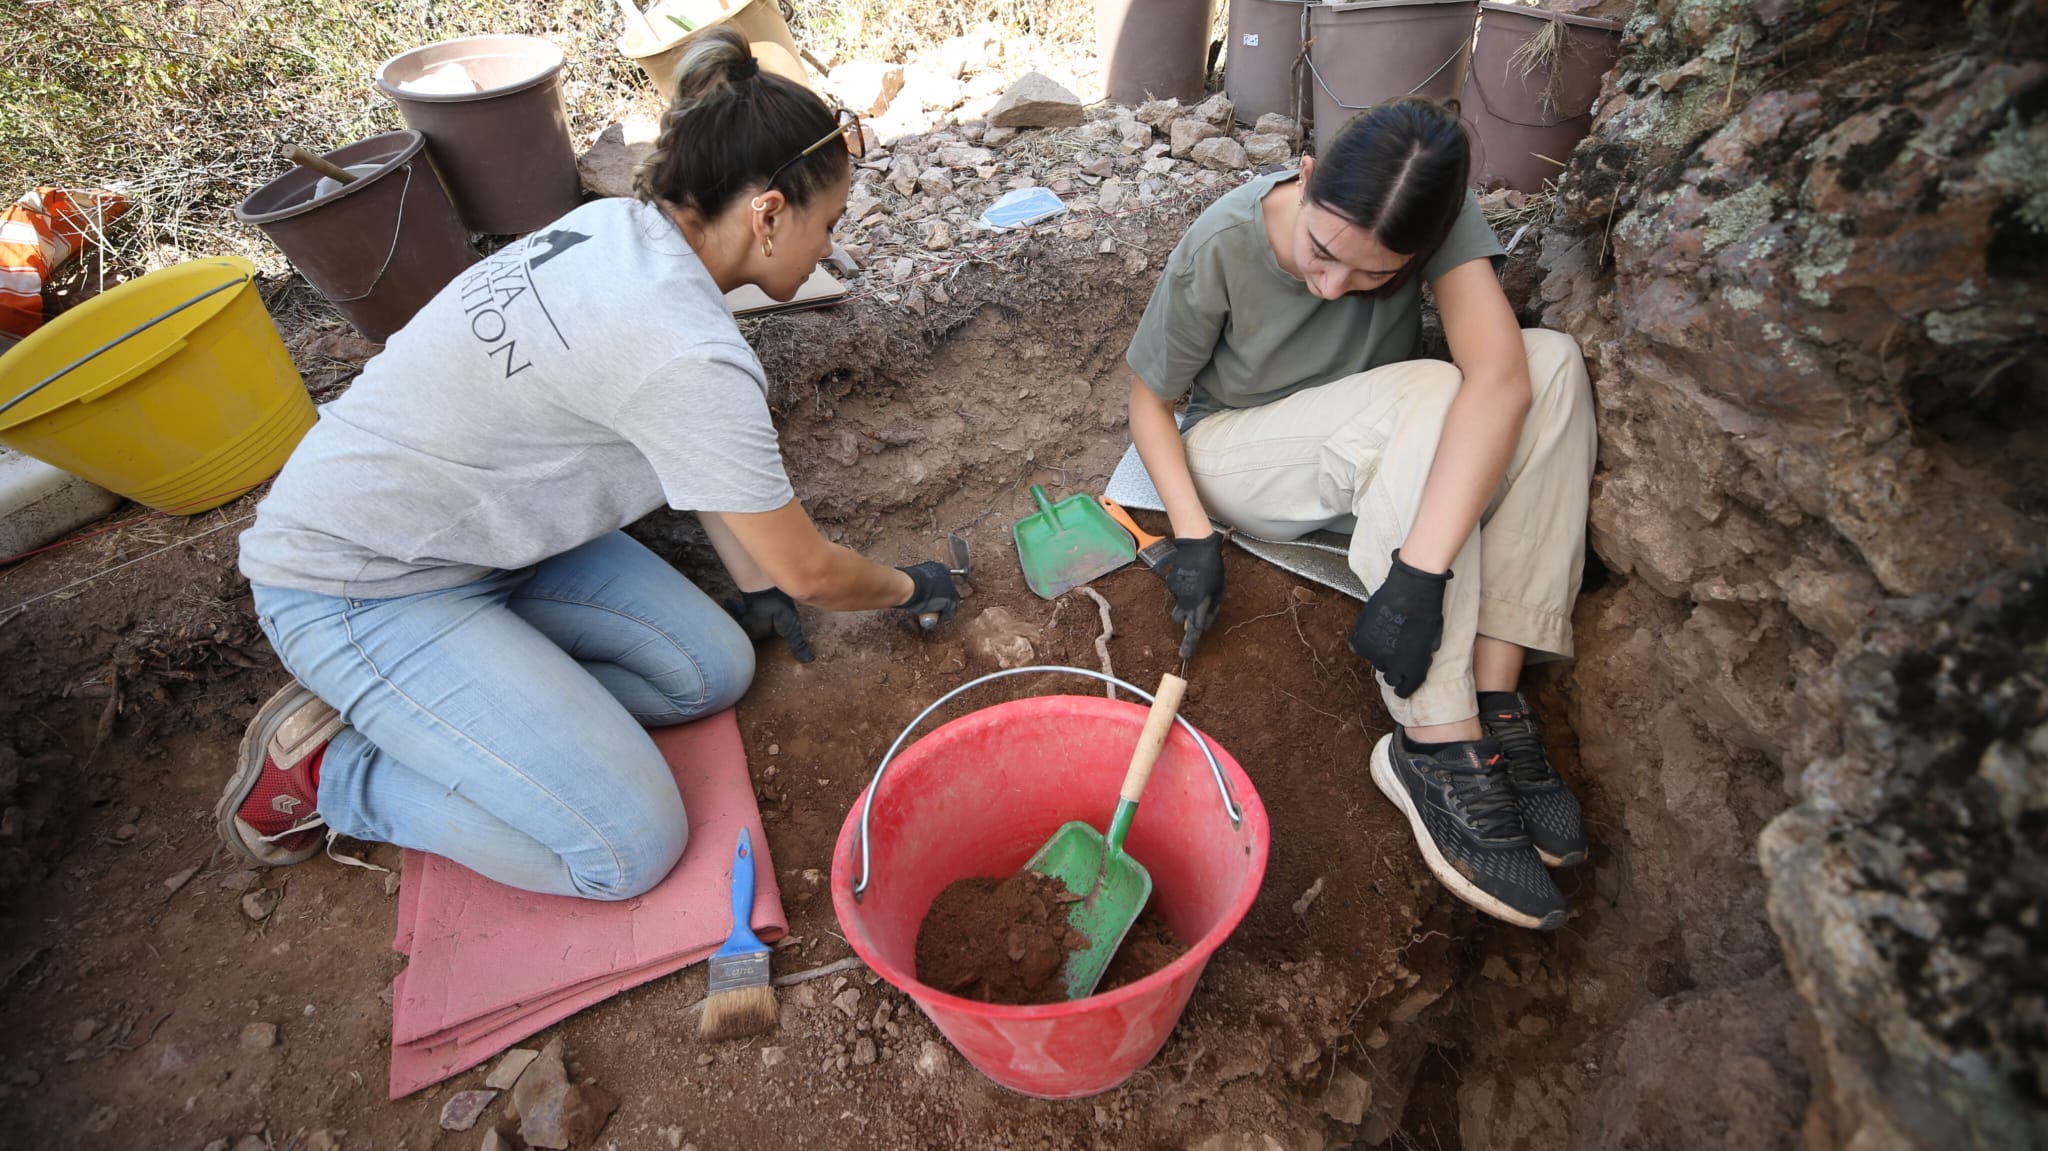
x: 1806, y: 251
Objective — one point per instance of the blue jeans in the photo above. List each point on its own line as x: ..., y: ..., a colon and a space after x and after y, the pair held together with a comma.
x: 500, y: 723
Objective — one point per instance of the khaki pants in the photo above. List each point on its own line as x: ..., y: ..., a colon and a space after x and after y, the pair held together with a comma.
x: 1353, y: 455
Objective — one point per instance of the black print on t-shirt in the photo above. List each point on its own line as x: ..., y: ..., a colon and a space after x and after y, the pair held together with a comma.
x: 492, y: 290
x: 557, y: 242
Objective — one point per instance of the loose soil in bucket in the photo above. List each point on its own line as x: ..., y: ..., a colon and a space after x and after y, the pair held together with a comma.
x: 1006, y: 941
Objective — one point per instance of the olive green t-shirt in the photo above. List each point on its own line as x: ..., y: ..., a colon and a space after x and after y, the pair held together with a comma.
x: 1228, y: 329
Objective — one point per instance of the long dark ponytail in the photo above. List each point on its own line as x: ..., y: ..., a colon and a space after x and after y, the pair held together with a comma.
x: 1397, y: 170
x: 730, y: 126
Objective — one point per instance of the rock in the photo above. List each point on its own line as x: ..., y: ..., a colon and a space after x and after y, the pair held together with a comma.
x: 902, y: 268
x: 1101, y: 167
x: 1221, y: 154
x: 554, y: 1114
x: 258, y: 904
x: 931, y: 1059
x: 997, y: 136
x: 772, y: 1056
x: 510, y: 1067
x: 238, y: 880
x: 1497, y: 969
x: 927, y: 90
x: 177, y: 882
x: 393, y: 879
x: 1533, y: 1025
x: 1159, y: 113
x: 259, y: 1036
x: 961, y: 156
x: 934, y: 182
x: 1111, y: 195
x: 1159, y: 165
x: 217, y: 1145
x: 1276, y: 124
x: 84, y: 1029
x: 1133, y: 136
x: 326, y: 1139
x: 1263, y: 148
x: 865, y: 86
x: 607, y: 166
x: 503, y: 1137
x: 1187, y: 132
x: 463, y: 1108
x: 863, y: 1051
x: 11, y: 823
x: 1036, y: 101
x: 253, y: 1143
x: 1347, y: 1097
x: 1217, y: 110
x: 126, y: 832
x: 848, y: 1002
x: 964, y: 55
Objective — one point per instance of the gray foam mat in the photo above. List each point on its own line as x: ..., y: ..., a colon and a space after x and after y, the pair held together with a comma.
x: 1320, y: 557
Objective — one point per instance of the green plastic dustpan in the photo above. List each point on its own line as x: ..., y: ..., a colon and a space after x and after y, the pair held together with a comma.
x: 1063, y: 545
x: 1113, y: 887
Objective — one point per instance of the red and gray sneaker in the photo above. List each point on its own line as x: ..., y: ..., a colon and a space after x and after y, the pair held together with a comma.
x: 268, y: 815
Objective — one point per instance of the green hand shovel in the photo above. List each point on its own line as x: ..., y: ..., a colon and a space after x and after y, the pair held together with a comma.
x: 1113, y: 886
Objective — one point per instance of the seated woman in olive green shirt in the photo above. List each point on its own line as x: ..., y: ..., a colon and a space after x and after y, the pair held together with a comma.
x: 1289, y: 318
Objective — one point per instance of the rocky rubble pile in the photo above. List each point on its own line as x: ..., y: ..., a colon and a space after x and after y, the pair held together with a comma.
x: 948, y: 135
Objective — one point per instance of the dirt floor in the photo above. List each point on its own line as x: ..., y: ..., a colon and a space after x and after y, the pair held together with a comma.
x: 128, y: 976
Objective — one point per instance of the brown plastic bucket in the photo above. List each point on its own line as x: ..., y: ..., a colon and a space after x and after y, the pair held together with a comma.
x: 1370, y: 52
x: 378, y: 248
x: 1153, y: 49
x: 1262, y: 67
x: 760, y: 21
x: 1524, y: 138
x: 503, y: 144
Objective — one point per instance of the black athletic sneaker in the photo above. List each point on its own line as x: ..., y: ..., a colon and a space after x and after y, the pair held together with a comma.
x: 1549, y: 810
x: 1462, y: 808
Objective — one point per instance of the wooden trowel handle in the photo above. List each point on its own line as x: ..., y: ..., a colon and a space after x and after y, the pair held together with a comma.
x: 1158, y: 722
x: 320, y: 164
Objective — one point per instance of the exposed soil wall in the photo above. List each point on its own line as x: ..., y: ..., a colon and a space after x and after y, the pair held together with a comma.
x: 1804, y: 251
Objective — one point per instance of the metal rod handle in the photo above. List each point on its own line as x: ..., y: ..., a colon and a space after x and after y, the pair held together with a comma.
x: 1230, y: 807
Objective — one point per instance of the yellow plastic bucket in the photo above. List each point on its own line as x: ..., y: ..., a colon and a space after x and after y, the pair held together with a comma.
x: 173, y: 389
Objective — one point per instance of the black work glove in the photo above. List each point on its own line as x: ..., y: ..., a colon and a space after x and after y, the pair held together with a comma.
x: 1401, y: 625
x: 771, y: 612
x: 1194, y: 574
x: 935, y: 596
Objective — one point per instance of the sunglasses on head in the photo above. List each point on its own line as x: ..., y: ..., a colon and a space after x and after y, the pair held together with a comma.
x: 847, y: 128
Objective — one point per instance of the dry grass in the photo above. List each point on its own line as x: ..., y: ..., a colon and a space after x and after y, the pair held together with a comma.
x: 836, y: 30
x: 188, y: 102
x: 1544, y: 52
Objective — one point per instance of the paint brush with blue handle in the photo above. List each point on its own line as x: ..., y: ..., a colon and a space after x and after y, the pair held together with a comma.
x: 739, y: 1000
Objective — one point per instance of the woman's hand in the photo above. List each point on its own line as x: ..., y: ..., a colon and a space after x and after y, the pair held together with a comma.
x: 1195, y: 576
x: 1401, y: 625
x: 770, y: 612
x: 934, y: 593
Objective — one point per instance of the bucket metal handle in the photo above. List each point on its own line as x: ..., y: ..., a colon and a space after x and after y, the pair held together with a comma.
x: 397, y: 227
x: 1420, y: 85
x: 1230, y: 807
x: 138, y: 329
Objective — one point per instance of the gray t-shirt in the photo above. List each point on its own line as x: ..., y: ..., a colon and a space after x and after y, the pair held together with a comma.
x: 559, y: 390
x: 1228, y: 329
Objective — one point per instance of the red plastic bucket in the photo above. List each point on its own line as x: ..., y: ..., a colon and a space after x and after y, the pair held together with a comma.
x: 976, y: 797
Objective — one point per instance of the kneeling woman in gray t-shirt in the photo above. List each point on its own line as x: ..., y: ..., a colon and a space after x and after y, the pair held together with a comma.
x: 1290, y: 317
x: 476, y: 645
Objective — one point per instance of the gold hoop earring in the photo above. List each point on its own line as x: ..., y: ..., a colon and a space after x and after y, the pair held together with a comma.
x: 768, y: 247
